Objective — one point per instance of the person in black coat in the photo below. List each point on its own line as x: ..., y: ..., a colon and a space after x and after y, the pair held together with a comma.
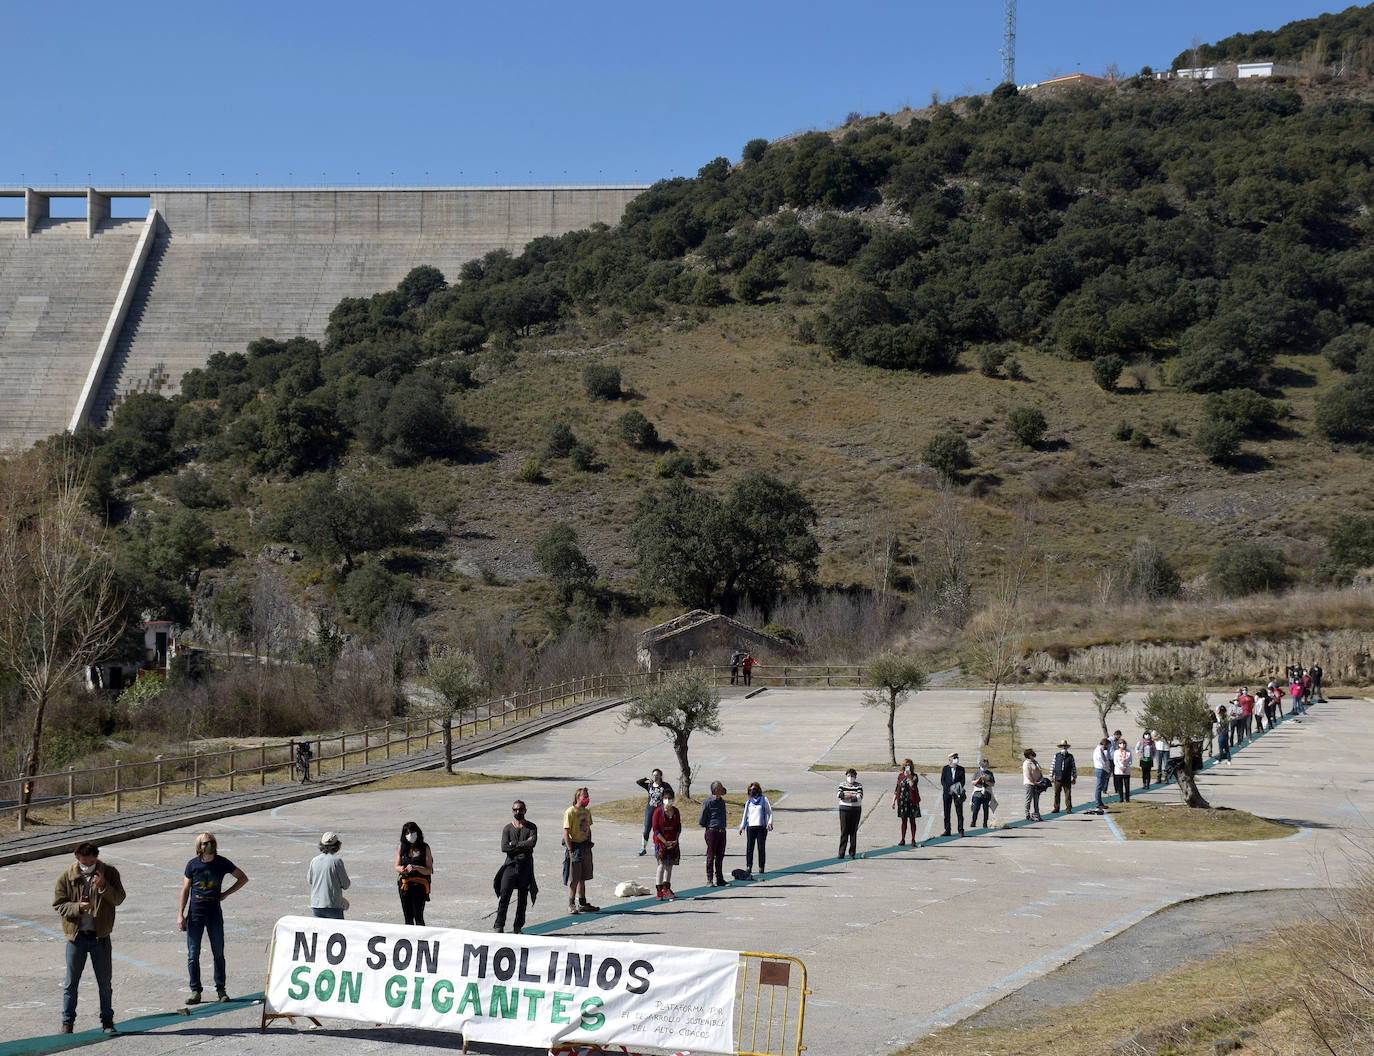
x: 952, y: 785
x: 516, y: 876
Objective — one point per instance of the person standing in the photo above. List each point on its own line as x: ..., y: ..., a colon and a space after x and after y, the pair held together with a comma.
x: 747, y: 664
x: 1064, y: 774
x: 1032, y: 777
x: 1295, y: 691
x: 328, y: 879
x: 906, y: 800
x: 199, y: 912
x: 713, y: 820
x: 667, y: 832
x: 758, y: 820
x: 1145, y: 750
x: 1121, y: 771
x: 517, y: 876
x: 414, y: 873
x: 735, y: 657
x: 952, y: 790
x: 850, y: 800
x: 1163, y: 750
x: 85, y: 897
x: 577, y: 852
x: 1102, y: 771
x: 983, y: 782
x: 655, y: 787
x: 1315, y: 672
x: 1222, y: 731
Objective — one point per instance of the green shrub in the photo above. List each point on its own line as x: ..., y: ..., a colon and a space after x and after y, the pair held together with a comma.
x: 1106, y: 370
x: 947, y: 454
x: 1350, y: 540
x: 1244, y: 567
x: 1346, y: 411
x: 1123, y: 430
x: 1027, y: 425
x: 602, y: 381
x: 708, y: 292
x: 1141, y: 439
x: 1012, y: 369
x: 674, y: 466
x: 1218, y: 440
x: 558, y: 440
x: 1246, y: 409
x: 582, y: 457
x: 371, y: 591
x: 532, y: 472
x: 990, y: 359
x: 1348, y: 351
x: 636, y: 430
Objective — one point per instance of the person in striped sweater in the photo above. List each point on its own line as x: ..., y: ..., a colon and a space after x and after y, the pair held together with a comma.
x: 850, y: 798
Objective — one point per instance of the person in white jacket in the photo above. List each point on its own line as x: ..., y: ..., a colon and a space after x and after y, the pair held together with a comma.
x: 1102, y: 770
x: 1121, y: 771
x: 758, y: 822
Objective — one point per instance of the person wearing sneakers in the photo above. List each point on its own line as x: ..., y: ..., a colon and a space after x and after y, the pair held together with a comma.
x: 1145, y: 751
x: 713, y: 820
x: 1064, y: 774
x: 850, y: 801
x: 199, y: 912
x: 577, y: 852
x: 655, y: 788
x: 85, y: 897
x: 1163, y: 751
x: 667, y: 833
x: 516, y: 875
x: 758, y: 820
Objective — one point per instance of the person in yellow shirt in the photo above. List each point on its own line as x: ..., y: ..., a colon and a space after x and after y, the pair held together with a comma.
x: 577, y: 852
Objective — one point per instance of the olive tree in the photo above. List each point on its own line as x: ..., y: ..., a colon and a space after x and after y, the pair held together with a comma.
x: 455, y: 687
x: 1180, y: 714
x: 1108, y: 699
x: 683, y: 703
x: 892, y: 677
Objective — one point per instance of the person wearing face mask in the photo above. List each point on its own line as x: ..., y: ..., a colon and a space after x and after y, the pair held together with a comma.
x: 667, y: 833
x: 906, y: 800
x: 953, y: 789
x: 414, y: 872
x: 849, y: 799
x: 199, y: 912
x: 713, y: 820
x: 85, y: 897
x: 655, y: 788
x: 577, y: 852
x: 758, y: 820
x: 517, y: 874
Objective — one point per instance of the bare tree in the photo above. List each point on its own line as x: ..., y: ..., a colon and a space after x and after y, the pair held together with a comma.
x: 892, y: 678
x: 58, y: 611
x: 949, y: 549
x: 998, y: 630
x: 683, y: 703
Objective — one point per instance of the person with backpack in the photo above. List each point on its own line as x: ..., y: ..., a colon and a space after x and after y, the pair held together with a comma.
x: 1064, y: 774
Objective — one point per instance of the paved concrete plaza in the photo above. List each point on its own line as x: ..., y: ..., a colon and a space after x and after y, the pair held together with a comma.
x: 896, y: 943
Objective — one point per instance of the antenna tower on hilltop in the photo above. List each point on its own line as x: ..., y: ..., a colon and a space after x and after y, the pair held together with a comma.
x: 1009, y: 44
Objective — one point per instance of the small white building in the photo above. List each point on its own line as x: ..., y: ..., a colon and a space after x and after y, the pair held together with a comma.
x: 1228, y: 71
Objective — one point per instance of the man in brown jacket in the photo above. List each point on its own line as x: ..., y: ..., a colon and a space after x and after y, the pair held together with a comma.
x: 85, y: 898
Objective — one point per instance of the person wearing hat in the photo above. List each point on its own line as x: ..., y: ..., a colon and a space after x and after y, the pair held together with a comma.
x: 952, y: 788
x: 328, y: 879
x: 850, y: 798
x: 1064, y: 773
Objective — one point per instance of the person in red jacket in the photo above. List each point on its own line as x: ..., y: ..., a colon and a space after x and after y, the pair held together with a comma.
x: 747, y: 665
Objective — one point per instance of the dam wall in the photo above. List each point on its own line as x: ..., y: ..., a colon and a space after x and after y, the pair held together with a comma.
x: 226, y: 267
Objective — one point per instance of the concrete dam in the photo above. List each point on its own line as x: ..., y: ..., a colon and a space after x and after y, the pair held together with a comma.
x: 95, y: 307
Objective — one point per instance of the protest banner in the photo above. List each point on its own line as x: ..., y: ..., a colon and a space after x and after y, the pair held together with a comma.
x: 530, y: 990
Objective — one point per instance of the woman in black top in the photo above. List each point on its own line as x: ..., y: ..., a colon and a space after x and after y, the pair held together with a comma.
x: 414, y: 867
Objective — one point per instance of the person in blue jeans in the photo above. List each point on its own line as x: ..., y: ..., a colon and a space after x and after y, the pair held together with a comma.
x: 1102, y: 771
x: 1223, y: 736
x: 199, y: 913
x: 85, y: 897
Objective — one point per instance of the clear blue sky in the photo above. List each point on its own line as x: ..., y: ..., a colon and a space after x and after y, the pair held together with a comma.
x: 482, y: 93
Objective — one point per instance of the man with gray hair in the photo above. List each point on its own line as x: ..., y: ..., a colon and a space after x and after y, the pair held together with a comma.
x: 328, y: 879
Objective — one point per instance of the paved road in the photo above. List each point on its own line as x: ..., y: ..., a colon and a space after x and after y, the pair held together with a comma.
x: 896, y: 943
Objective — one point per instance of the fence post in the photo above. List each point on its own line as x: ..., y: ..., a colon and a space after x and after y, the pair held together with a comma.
x: 367, y: 744
x: 196, y: 773
x: 233, y: 768
x: 159, y: 781
x: 387, y: 727
x: 71, y: 793
x: 116, y: 788
x: 343, y: 752
x: 262, y: 764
